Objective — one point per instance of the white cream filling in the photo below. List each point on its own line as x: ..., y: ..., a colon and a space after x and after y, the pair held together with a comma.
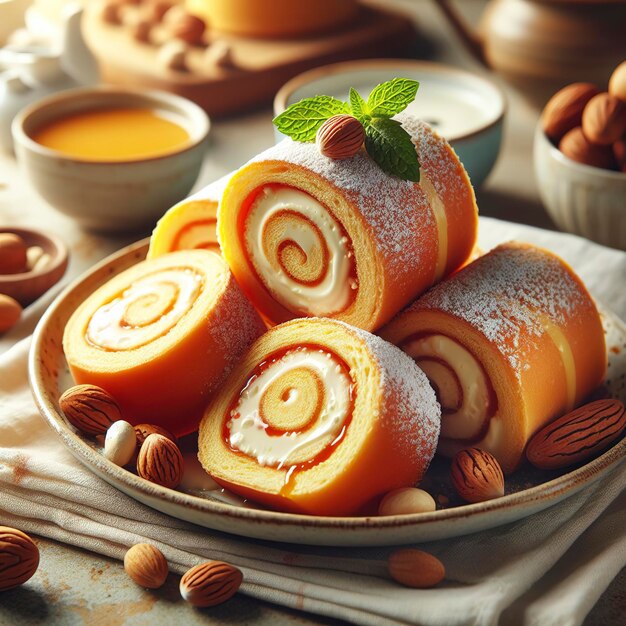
x: 333, y: 292
x: 172, y: 291
x: 467, y: 421
x: 247, y: 432
x: 441, y: 220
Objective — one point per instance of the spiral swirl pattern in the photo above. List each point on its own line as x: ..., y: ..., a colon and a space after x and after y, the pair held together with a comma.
x: 145, y: 311
x: 463, y: 388
x: 292, y: 409
x: 197, y: 235
x: 300, y: 252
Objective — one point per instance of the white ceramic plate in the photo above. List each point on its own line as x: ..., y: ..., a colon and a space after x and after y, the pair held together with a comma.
x: 528, y: 490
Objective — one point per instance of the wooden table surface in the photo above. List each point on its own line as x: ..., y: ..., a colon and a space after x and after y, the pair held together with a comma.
x: 73, y: 586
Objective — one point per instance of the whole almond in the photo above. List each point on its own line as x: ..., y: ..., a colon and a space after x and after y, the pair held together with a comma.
x: 89, y: 408
x: 146, y: 565
x: 10, y: 312
x: 575, y: 146
x: 160, y: 461
x: 565, y: 109
x: 414, y: 568
x: 340, y: 137
x: 19, y: 557
x: 604, y: 119
x: 405, y: 501
x: 13, y: 254
x: 142, y: 431
x: 578, y: 435
x: 617, y: 82
x: 189, y: 28
x: 477, y: 475
x: 210, y: 583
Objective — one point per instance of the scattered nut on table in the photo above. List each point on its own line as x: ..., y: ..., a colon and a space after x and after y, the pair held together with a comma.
x: 89, y: 408
x: 405, y: 501
x: 120, y: 443
x: 414, y: 568
x: 146, y: 565
x: 210, y: 583
x: 19, y: 558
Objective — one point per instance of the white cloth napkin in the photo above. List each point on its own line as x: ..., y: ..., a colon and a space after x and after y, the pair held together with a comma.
x: 570, y: 552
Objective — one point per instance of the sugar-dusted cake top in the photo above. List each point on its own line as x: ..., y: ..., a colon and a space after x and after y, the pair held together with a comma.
x: 509, y: 293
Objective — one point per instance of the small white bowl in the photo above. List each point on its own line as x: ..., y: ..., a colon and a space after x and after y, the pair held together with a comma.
x: 465, y: 108
x: 581, y: 199
x: 111, y: 196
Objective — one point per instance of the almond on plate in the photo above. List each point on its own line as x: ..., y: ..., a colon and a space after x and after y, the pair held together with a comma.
x: 578, y: 435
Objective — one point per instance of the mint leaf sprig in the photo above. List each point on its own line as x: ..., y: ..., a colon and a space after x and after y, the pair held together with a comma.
x: 387, y: 143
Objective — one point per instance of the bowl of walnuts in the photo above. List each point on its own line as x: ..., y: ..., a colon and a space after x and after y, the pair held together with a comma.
x: 580, y: 159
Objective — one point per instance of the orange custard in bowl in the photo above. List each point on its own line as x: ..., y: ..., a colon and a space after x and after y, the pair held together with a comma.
x: 113, y: 134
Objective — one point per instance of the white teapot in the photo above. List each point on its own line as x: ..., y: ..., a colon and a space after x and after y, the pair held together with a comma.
x: 32, y: 67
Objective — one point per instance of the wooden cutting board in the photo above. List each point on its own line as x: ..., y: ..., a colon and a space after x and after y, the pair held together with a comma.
x: 259, y: 66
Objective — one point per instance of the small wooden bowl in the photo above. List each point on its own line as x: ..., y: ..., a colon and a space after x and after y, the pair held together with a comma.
x: 26, y: 287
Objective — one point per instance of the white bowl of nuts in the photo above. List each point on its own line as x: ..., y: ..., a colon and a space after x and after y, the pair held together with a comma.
x: 580, y: 160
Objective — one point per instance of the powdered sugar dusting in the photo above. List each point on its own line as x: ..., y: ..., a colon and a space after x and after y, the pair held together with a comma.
x: 213, y: 191
x: 419, y: 413
x: 435, y: 159
x: 504, y: 294
x: 235, y: 324
x: 397, y: 211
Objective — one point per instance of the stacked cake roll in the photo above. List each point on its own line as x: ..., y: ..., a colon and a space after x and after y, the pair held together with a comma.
x: 309, y: 236
x: 509, y: 342
x: 160, y: 337
x: 191, y: 224
x: 320, y: 417
x: 317, y: 415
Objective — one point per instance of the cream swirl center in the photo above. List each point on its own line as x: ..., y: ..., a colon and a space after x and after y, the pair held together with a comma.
x: 292, y: 410
x: 147, y: 310
x: 459, y: 380
x: 299, y: 251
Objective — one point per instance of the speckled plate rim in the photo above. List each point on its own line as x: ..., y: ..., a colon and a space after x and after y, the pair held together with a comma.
x: 288, y: 527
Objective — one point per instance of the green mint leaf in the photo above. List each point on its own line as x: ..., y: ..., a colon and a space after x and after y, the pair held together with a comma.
x: 360, y: 110
x: 392, y: 149
x: 301, y: 120
x: 391, y: 97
